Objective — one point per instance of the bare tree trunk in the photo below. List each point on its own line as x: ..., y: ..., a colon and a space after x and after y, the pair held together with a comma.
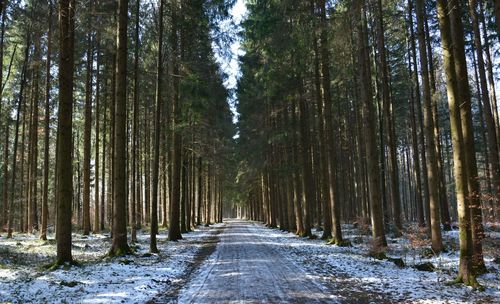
x: 465, y: 274
x: 208, y: 196
x: 120, y: 245
x: 45, y: 196
x: 135, y: 131
x: 457, y: 34
x: 5, y: 202
x: 96, y: 227
x: 369, y: 128
x: 87, y: 133
x: 488, y: 116
x: 103, y: 171
x: 158, y: 111
x: 174, y: 233
x: 307, y: 175
x: 432, y: 169
x: 33, y: 139
x: 387, y: 111
x: 416, y: 160
x: 5, y: 186
x: 64, y: 130
x: 184, y: 195
x: 199, y: 191
x: 443, y: 199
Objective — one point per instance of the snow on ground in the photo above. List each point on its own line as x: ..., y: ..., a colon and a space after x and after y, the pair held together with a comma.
x: 138, y: 278
x: 99, y: 279
x: 351, y: 266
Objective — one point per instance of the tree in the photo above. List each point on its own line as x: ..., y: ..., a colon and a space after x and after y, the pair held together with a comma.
x: 461, y: 73
x: 485, y: 98
x: 64, y: 168
x: 45, y: 195
x: 87, y: 133
x: 97, y: 130
x: 135, y: 126
x: 432, y: 168
x: 387, y: 113
x: 174, y: 233
x: 373, y: 168
x: 157, y: 126
x: 465, y: 267
x: 120, y: 246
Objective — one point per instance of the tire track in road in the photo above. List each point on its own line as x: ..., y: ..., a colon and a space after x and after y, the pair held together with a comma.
x: 247, y: 267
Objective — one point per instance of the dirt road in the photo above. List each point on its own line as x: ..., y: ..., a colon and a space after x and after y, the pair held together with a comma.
x: 248, y: 267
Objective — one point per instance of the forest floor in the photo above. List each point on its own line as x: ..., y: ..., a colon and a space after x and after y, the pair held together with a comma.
x: 244, y: 262
x: 98, y: 279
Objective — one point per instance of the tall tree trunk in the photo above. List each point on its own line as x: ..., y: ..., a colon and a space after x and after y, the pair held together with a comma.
x: 184, y: 195
x: 174, y: 233
x: 390, y: 136
x: 64, y: 167
x: 488, y: 116
x: 45, y: 195
x: 208, y: 193
x: 421, y: 187
x: 87, y: 133
x: 147, y: 163
x: 120, y: 246
x: 199, y: 191
x: 369, y: 128
x: 96, y: 227
x: 307, y: 174
x: 5, y: 201
x: 104, y: 190
x: 432, y: 169
x: 112, y: 140
x: 331, y: 209
x: 33, y: 140
x: 103, y: 171
x: 135, y: 129
x: 465, y: 274
x: 443, y: 199
x: 483, y: 136
x: 158, y: 111
x: 5, y: 184
x: 460, y: 62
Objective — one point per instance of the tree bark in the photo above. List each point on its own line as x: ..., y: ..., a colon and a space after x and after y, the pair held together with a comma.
x: 174, y: 233
x: 64, y: 170
x: 431, y: 164
x: 460, y: 63
x: 135, y: 129
x: 96, y: 227
x: 45, y: 195
x: 465, y: 274
x: 373, y: 169
x: 488, y: 116
x: 87, y: 133
x: 156, y: 162
x: 120, y: 246
x: 387, y: 114
x: 421, y: 187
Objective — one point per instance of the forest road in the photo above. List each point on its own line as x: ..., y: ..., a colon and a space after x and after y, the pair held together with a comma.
x: 248, y: 267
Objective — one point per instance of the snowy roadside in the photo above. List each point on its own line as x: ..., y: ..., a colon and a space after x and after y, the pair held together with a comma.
x: 129, y: 279
x: 351, y: 269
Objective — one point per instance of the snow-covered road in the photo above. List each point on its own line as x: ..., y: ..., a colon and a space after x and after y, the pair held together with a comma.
x: 247, y: 267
